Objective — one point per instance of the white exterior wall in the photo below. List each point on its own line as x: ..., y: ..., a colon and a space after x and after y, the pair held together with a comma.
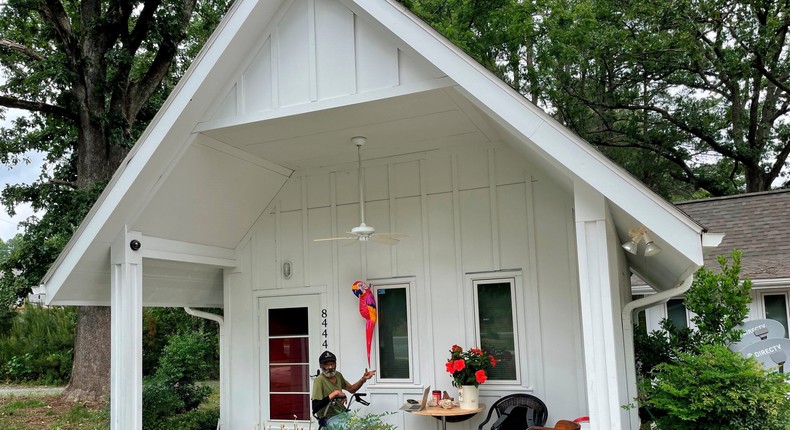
x: 465, y: 211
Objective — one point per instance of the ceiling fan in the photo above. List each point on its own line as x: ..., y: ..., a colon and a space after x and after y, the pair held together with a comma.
x: 364, y: 232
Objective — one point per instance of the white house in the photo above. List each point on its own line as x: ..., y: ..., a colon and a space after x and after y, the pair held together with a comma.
x: 250, y: 160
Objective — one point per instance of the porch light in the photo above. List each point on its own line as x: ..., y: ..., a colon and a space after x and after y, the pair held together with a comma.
x: 637, y: 235
x: 651, y: 248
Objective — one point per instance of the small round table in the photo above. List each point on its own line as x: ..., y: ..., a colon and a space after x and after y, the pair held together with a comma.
x: 442, y: 413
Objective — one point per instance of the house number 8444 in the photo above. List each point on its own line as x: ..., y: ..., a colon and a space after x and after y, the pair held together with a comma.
x: 324, y: 334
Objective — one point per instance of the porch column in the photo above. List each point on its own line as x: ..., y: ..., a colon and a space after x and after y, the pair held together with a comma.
x: 600, y: 305
x: 126, y: 364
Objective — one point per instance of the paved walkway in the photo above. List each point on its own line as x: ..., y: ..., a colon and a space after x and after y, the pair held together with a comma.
x: 29, y: 390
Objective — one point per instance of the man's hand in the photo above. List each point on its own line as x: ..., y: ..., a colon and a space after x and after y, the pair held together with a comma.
x: 368, y: 374
x: 339, y: 395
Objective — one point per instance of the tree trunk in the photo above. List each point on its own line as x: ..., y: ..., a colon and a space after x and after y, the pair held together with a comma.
x: 90, y: 372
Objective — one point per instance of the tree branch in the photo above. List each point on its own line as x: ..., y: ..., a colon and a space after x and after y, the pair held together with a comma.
x: 53, y: 12
x: 10, y: 44
x: 12, y: 102
x: 758, y: 64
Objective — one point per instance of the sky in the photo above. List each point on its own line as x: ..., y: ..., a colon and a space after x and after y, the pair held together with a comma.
x: 21, y: 173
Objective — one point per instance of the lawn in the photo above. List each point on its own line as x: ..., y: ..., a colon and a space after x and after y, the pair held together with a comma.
x: 51, y: 413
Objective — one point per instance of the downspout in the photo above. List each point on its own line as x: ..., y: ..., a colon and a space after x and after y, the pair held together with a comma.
x: 223, y: 374
x: 709, y: 240
x: 628, y: 336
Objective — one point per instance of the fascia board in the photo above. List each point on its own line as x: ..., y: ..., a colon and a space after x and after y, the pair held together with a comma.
x: 511, y: 110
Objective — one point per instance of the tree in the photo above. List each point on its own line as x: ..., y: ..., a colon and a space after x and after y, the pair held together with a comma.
x: 692, y: 97
x: 91, y: 75
x: 702, y: 85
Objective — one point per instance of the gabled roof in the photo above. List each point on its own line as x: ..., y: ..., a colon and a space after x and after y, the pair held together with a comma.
x: 201, y: 173
x: 758, y: 224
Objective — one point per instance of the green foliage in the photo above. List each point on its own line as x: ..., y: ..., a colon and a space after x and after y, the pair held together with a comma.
x: 160, y: 324
x: 171, y: 395
x: 39, y: 345
x: 660, y: 346
x: 690, y: 96
x: 116, y: 66
x: 716, y: 388
x: 720, y: 302
x: 690, y: 380
x: 359, y: 421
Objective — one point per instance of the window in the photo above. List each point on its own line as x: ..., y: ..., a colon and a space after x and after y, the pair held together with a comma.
x: 289, y: 363
x: 496, y: 328
x: 775, y: 306
x: 394, y: 339
x: 676, y: 313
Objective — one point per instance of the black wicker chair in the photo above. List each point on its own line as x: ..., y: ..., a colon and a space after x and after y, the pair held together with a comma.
x: 517, y: 412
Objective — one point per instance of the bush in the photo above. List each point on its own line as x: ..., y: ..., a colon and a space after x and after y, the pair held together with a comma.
x: 690, y: 380
x: 357, y: 421
x: 160, y: 324
x: 171, y: 394
x: 39, y: 345
x: 196, y: 419
x: 716, y: 388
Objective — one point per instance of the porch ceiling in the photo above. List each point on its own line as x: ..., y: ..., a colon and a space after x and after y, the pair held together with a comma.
x: 410, y: 123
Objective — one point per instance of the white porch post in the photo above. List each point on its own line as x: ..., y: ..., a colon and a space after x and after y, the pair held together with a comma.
x: 126, y: 365
x: 600, y: 306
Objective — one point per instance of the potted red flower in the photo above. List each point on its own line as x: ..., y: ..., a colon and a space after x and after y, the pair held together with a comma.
x: 469, y: 369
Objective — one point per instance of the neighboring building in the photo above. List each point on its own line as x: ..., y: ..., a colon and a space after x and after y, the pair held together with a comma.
x: 514, y: 224
x: 756, y: 224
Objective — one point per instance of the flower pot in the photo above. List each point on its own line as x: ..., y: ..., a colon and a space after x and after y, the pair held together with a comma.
x: 467, y: 397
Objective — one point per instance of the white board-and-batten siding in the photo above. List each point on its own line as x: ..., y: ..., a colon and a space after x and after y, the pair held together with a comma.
x: 466, y: 211
x: 318, y: 50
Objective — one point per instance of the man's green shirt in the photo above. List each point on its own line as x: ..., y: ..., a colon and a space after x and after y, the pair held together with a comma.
x: 322, y: 387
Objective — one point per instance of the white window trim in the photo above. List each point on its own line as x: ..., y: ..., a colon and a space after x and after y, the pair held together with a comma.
x: 411, y: 322
x: 515, y: 278
x: 777, y: 292
x: 687, y: 312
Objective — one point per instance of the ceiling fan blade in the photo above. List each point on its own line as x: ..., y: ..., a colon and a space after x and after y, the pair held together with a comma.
x: 383, y: 239
x: 336, y: 238
x: 392, y: 235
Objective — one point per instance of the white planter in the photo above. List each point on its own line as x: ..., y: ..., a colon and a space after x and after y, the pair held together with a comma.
x: 468, y: 397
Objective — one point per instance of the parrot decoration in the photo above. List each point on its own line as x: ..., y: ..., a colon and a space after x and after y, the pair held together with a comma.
x: 367, y: 308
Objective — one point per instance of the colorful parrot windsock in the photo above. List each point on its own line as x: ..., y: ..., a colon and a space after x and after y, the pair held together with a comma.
x: 367, y: 308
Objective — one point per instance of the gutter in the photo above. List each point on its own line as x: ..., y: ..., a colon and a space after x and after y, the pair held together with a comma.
x: 223, y: 371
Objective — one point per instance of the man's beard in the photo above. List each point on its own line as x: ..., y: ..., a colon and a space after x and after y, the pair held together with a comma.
x: 329, y: 373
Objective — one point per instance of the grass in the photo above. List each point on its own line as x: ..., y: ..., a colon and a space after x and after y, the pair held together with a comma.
x: 54, y: 413
x: 51, y: 412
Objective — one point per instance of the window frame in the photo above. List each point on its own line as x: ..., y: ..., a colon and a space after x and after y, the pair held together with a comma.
x: 408, y: 285
x: 516, y: 298
x: 686, y: 311
x: 784, y: 293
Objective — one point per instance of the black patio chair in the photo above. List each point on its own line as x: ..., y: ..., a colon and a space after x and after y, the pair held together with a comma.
x: 517, y: 412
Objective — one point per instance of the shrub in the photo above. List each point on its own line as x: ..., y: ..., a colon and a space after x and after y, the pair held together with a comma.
x: 172, y: 393
x: 690, y: 380
x: 357, y: 421
x: 196, y: 419
x: 716, y: 388
x: 159, y: 324
x: 39, y: 345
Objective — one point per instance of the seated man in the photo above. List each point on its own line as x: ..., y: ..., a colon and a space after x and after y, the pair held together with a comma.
x: 328, y: 399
